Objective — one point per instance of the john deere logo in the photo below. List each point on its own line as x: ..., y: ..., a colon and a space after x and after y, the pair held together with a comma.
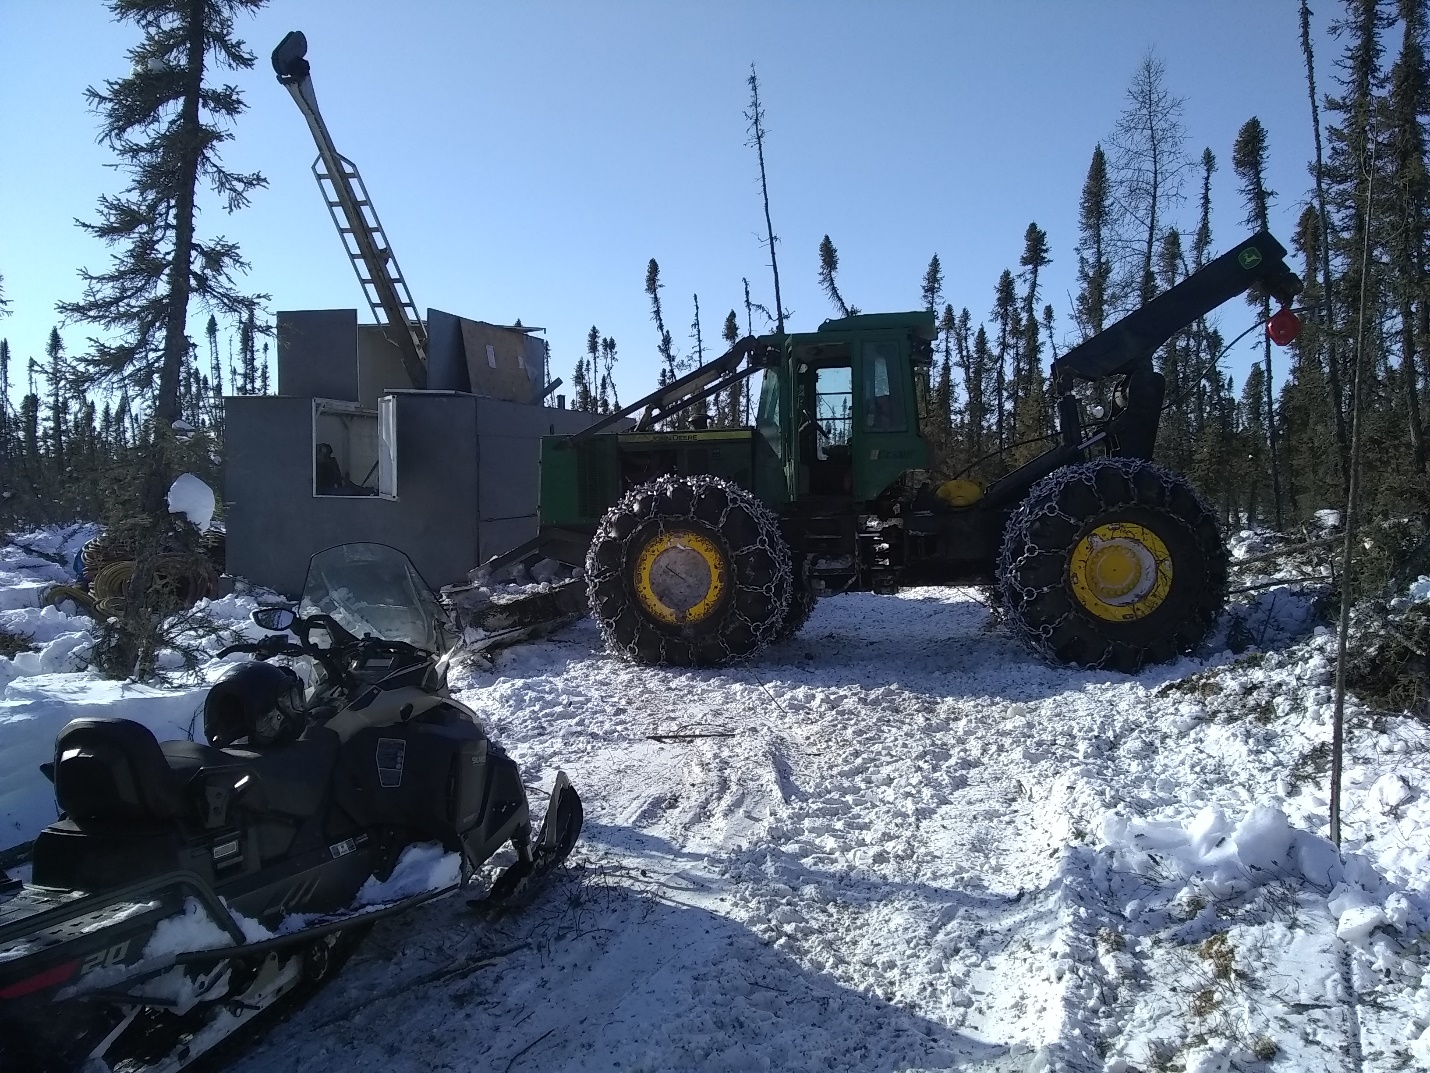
x: 1250, y: 257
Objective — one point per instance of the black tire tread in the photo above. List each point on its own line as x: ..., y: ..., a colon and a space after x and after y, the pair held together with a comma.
x: 1033, y: 564
x: 749, y: 534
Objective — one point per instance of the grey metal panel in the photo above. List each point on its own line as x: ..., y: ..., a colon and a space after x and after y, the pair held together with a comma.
x: 498, y: 418
x: 536, y: 352
x: 446, y: 354
x: 508, y: 482
x: 509, y: 455
x: 437, y: 483
x: 317, y: 354
x: 380, y: 366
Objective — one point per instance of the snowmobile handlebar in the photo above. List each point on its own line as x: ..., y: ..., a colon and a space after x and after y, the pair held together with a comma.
x: 269, y: 646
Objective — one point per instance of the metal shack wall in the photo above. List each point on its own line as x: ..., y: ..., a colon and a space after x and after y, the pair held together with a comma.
x: 275, y: 522
x: 508, y: 454
x: 467, y: 485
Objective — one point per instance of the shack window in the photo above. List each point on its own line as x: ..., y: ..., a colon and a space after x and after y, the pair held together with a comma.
x: 345, y: 449
x: 883, y: 401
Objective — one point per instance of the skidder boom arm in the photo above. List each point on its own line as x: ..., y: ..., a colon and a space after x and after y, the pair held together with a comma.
x: 1130, y: 343
x: 1125, y: 349
x: 694, y: 386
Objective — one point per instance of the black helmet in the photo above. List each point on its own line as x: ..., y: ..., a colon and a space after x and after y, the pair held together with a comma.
x: 257, y: 701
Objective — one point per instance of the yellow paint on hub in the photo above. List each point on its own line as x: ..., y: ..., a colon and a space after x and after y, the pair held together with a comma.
x: 680, y: 576
x: 960, y: 493
x: 1121, y: 571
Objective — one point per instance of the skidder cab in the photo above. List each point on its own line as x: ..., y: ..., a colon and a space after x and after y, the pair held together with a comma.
x: 700, y: 545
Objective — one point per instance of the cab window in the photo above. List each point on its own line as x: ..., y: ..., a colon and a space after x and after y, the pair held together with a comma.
x: 767, y: 418
x: 832, y: 397
x: 883, y: 401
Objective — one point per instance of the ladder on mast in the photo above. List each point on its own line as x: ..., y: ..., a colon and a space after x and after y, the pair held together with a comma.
x: 355, y: 217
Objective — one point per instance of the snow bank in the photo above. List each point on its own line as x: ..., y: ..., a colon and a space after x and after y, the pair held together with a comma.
x: 1221, y: 856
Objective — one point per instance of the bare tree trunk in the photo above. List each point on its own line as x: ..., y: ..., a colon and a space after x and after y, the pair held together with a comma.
x: 756, y: 117
x: 1410, y: 368
x: 1333, y: 369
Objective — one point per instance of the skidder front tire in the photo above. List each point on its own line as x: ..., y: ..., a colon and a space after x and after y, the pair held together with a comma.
x: 1115, y: 563
x: 689, y: 571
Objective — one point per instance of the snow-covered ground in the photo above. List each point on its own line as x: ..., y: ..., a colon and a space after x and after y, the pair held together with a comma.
x: 899, y: 842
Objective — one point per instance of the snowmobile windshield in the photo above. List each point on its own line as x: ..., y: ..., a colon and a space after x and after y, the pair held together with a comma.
x: 373, y: 589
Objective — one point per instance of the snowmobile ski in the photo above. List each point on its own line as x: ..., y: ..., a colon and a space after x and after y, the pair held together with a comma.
x: 518, y: 886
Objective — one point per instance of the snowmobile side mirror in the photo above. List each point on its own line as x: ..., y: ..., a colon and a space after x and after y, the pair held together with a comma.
x: 278, y: 619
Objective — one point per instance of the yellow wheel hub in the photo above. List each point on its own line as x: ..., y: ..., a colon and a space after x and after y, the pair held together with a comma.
x: 680, y: 576
x: 1121, y: 571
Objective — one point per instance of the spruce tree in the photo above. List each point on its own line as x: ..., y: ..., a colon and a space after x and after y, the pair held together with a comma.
x: 608, y: 370
x: 943, y: 392
x: 1408, y: 104
x: 980, y: 360
x: 1326, y: 307
x: 1006, y: 316
x: 701, y: 408
x: 1028, y: 393
x: 1094, y: 259
x: 586, y: 373
x: 733, y: 412
x: 1254, y: 476
x: 931, y: 291
x: 828, y: 266
x: 7, y: 432
x: 215, y: 370
x: 664, y: 348
x: 1248, y: 160
x: 55, y: 350
x: 1173, y: 446
x: 166, y: 122
x: 247, y: 357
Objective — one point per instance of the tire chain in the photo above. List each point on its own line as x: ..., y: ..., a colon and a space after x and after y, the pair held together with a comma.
x: 801, y: 606
x: 653, y: 508
x: 1044, y: 500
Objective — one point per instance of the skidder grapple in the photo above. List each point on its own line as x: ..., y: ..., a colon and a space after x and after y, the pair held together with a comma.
x: 701, y: 545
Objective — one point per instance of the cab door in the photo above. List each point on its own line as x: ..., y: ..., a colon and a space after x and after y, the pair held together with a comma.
x: 884, y: 434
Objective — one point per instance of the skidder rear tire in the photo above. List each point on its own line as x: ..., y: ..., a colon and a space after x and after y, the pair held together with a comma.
x: 688, y: 571
x: 1115, y: 563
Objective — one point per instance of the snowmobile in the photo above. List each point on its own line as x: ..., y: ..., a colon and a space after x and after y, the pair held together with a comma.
x: 191, y: 886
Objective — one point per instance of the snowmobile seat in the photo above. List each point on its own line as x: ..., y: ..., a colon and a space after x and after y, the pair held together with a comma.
x: 113, y: 769
x: 291, y: 779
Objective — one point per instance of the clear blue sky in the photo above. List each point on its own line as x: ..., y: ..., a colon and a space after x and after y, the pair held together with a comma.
x: 528, y: 159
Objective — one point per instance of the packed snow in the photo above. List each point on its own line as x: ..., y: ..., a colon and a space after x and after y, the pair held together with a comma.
x: 192, y: 498
x: 895, y: 842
